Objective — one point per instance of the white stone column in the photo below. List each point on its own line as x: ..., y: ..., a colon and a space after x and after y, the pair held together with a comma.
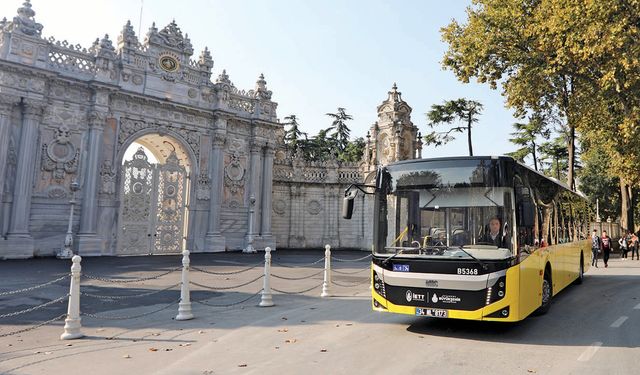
x: 6, y: 106
x: 254, y: 173
x: 87, y: 239
x: 214, y: 239
x: 267, y: 192
x: 20, y: 241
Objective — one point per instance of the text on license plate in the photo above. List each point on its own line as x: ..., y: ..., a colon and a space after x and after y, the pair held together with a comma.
x: 431, y: 312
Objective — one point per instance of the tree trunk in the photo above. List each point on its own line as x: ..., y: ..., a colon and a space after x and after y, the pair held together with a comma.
x: 469, y: 135
x: 533, y: 154
x: 572, y: 151
x: 624, y: 205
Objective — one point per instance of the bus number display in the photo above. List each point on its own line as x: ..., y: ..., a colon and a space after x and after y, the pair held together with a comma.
x: 467, y: 271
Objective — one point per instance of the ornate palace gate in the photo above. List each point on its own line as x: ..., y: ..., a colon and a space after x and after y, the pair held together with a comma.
x: 152, y: 209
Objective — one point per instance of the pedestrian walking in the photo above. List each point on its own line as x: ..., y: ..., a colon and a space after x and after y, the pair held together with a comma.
x: 634, y: 246
x: 595, y: 248
x: 624, y: 245
x: 606, y: 248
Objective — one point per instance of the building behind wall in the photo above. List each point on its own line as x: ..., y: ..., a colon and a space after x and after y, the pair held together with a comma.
x: 222, y: 179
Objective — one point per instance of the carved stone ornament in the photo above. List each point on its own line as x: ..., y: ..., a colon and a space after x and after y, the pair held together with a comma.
x: 314, y: 207
x: 203, y: 191
x: 107, y: 179
x: 279, y: 207
x: 234, y: 174
x: 60, y: 157
x: 129, y: 127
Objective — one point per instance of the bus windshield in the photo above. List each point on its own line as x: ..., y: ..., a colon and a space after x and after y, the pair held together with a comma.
x: 466, y: 219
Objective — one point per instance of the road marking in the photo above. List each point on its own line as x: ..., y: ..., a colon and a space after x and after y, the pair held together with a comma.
x: 637, y: 307
x: 590, y: 352
x: 619, y: 322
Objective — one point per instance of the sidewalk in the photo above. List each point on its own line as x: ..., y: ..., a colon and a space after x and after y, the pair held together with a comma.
x: 156, y: 343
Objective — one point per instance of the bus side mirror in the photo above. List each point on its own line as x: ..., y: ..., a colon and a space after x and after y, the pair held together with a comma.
x: 347, y: 204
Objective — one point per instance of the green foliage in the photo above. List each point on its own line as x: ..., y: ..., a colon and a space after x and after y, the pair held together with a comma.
x: 526, y: 136
x: 354, y: 151
x: 339, y: 126
x: 598, y: 181
x: 463, y: 110
x: 293, y: 134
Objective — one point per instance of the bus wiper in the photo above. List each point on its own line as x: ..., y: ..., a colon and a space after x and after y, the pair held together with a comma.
x: 481, y: 263
x: 386, y: 260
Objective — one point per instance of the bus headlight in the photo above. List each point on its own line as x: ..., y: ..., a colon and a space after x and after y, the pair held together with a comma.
x: 378, y: 285
x: 497, y: 291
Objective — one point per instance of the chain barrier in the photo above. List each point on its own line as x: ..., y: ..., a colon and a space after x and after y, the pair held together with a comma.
x: 355, y: 283
x: 298, y: 265
x: 297, y: 278
x: 33, y: 327
x: 121, y: 281
x: 226, y: 287
x: 34, y: 308
x: 130, y: 316
x: 350, y: 272
x: 117, y: 298
x: 227, y: 273
x: 202, y: 302
x: 33, y: 287
x: 300, y: 292
x: 350, y: 260
x: 38, y: 307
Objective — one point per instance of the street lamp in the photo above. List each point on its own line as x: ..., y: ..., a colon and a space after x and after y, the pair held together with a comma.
x: 609, y: 222
x: 66, y: 252
x: 249, y: 248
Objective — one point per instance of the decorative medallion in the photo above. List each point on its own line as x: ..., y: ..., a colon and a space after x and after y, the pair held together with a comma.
x: 168, y: 63
x: 314, y: 207
x: 279, y: 206
x: 234, y: 174
x: 60, y: 157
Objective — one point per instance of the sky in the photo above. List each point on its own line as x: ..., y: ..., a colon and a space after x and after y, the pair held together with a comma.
x: 316, y: 55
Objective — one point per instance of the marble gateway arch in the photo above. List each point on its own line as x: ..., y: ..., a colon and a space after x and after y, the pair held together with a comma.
x: 213, y: 176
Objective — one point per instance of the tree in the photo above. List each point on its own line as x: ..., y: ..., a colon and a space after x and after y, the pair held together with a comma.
x: 339, y: 126
x: 598, y: 182
x: 463, y: 110
x: 527, y: 48
x: 293, y: 134
x: 526, y: 136
x: 354, y: 151
x: 557, y: 155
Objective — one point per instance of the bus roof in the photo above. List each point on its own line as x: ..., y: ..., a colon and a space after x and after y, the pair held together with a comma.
x: 489, y: 157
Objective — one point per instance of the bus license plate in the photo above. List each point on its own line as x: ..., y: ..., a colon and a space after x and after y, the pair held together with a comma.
x: 436, y: 313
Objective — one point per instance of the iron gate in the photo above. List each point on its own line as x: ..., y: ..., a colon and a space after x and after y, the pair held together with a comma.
x: 152, y: 206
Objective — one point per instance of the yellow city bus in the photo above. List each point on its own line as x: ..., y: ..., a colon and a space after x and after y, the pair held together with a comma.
x: 478, y: 238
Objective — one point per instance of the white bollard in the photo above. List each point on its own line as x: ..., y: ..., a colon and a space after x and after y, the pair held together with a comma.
x: 267, y: 299
x: 327, y: 272
x: 73, y: 324
x: 184, y: 307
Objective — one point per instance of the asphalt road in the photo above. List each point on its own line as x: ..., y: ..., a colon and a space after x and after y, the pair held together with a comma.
x: 593, y: 328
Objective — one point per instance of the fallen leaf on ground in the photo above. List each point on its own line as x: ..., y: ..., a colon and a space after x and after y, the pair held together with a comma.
x: 155, y: 334
x: 323, y: 350
x: 349, y: 324
x: 187, y: 344
x: 284, y: 318
x: 126, y: 356
x: 47, y: 353
x: 290, y: 341
x: 283, y: 330
x: 200, y: 332
x: 277, y: 347
x: 168, y: 349
x: 242, y: 365
x: 153, y: 349
x: 531, y: 370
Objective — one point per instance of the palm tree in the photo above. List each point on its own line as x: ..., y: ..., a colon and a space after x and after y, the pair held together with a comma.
x: 339, y: 126
x: 463, y: 110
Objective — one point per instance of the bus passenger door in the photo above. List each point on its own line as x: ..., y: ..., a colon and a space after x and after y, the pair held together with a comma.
x: 529, y: 252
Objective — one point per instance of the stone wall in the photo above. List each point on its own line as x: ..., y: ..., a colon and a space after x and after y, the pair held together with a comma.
x: 307, y: 204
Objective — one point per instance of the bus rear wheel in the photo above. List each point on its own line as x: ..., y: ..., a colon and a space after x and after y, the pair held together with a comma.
x: 547, y: 293
x: 581, y: 271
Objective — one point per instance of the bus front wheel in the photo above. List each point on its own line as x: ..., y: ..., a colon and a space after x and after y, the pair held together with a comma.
x: 547, y: 293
